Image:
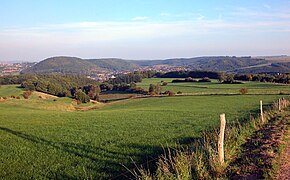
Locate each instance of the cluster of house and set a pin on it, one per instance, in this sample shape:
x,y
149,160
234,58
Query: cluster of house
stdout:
x,y
13,68
165,68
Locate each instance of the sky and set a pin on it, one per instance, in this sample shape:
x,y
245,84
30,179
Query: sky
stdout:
x,y
33,30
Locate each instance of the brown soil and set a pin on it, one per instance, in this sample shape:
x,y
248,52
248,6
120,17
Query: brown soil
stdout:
x,y
258,153
284,171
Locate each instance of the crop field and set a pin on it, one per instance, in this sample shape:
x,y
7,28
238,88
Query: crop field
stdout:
x,y
41,139
215,87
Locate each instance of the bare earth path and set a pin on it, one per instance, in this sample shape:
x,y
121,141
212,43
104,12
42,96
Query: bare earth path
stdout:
x,y
284,172
258,154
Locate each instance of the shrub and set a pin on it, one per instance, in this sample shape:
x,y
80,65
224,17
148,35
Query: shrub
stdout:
x,y
205,79
164,83
179,92
152,93
17,97
171,93
12,96
244,90
27,94
81,96
156,89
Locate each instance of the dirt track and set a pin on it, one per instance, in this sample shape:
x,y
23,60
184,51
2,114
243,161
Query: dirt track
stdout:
x,y
284,172
259,152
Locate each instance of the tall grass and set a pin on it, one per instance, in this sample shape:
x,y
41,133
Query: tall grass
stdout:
x,y
200,159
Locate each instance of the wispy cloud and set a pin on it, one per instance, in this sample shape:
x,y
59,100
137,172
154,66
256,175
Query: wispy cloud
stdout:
x,y
139,18
179,15
83,32
200,17
267,6
141,30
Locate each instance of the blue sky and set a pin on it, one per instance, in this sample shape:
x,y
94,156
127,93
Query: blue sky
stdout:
x,y
33,30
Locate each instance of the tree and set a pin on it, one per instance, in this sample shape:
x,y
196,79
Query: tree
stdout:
x,y
152,88
229,78
93,91
81,96
205,79
106,86
155,89
221,77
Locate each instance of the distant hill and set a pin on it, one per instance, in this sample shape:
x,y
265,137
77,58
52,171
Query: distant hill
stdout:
x,y
281,67
114,64
60,65
75,65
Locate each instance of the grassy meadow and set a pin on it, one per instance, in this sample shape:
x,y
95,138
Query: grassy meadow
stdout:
x,y
9,90
49,139
215,87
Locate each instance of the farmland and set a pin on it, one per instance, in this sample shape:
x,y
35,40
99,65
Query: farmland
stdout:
x,y
46,138
215,87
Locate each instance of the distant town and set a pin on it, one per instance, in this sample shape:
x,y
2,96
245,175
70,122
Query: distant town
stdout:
x,y
96,74
14,68
104,75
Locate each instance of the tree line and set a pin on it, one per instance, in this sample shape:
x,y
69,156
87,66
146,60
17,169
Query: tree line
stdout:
x,y
78,87
228,77
84,89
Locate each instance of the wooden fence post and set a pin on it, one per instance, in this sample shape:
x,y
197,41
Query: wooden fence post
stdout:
x,y
261,110
221,139
279,104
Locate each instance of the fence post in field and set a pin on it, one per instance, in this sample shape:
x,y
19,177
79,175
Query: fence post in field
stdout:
x,y
221,139
261,110
279,104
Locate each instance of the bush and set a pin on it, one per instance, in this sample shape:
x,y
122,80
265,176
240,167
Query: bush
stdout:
x,y
17,97
81,96
205,79
12,96
164,83
179,92
244,90
171,93
27,94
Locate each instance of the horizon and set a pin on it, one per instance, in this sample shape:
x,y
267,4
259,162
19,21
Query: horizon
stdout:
x,y
32,31
259,56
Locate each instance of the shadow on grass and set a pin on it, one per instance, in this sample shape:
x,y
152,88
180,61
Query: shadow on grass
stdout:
x,y
107,162
20,87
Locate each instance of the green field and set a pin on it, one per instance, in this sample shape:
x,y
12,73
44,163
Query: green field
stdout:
x,y
9,90
215,87
43,143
